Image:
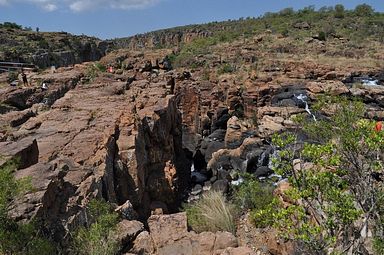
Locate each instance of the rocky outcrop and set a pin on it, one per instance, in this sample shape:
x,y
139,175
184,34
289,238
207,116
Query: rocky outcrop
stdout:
x,y
23,153
127,231
58,85
102,139
168,235
160,38
45,49
156,169
85,50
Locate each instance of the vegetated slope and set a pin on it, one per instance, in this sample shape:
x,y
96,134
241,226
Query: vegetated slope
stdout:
x,y
47,48
357,24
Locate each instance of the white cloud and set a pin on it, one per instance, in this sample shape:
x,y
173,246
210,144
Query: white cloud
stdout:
x,y
50,7
47,5
84,5
132,4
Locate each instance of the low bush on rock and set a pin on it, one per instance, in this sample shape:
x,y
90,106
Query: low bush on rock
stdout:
x,y
252,194
94,70
212,212
12,76
258,197
226,68
97,238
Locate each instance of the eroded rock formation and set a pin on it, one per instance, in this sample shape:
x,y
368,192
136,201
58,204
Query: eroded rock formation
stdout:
x,y
131,135
100,139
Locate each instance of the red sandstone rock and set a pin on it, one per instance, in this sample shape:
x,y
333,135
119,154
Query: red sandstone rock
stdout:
x,y
25,152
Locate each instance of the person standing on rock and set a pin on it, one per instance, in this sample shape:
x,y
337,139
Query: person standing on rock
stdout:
x,y
24,77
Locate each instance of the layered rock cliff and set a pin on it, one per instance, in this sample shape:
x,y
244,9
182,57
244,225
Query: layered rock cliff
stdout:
x,y
105,139
161,38
45,49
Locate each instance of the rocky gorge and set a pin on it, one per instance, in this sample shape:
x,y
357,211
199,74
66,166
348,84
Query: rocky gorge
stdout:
x,y
147,137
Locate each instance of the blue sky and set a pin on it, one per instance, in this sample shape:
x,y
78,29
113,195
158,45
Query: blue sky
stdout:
x,y
119,18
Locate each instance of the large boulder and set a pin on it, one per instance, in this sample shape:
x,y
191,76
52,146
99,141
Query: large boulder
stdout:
x,y
234,135
166,229
127,231
143,244
169,236
235,159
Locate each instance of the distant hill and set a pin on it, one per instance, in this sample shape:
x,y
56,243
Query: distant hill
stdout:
x,y
47,48
357,24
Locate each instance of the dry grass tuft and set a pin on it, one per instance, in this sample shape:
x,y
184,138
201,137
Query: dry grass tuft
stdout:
x,y
212,213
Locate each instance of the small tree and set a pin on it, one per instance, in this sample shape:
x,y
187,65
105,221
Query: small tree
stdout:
x,y
287,12
363,10
10,25
339,11
336,197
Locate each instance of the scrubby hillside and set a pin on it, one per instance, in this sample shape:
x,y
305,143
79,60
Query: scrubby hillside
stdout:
x,y
47,48
327,22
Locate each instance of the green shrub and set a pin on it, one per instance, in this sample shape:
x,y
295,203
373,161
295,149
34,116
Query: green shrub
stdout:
x,y
43,44
265,216
378,240
339,11
171,58
238,111
212,212
287,12
97,239
184,59
257,197
226,68
322,36
94,70
363,10
18,238
12,76
253,195
285,32
10,25
100,67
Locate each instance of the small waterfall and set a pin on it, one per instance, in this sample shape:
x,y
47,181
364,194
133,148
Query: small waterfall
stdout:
x,y
275,154
261,158
370,82
237,182
303,98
